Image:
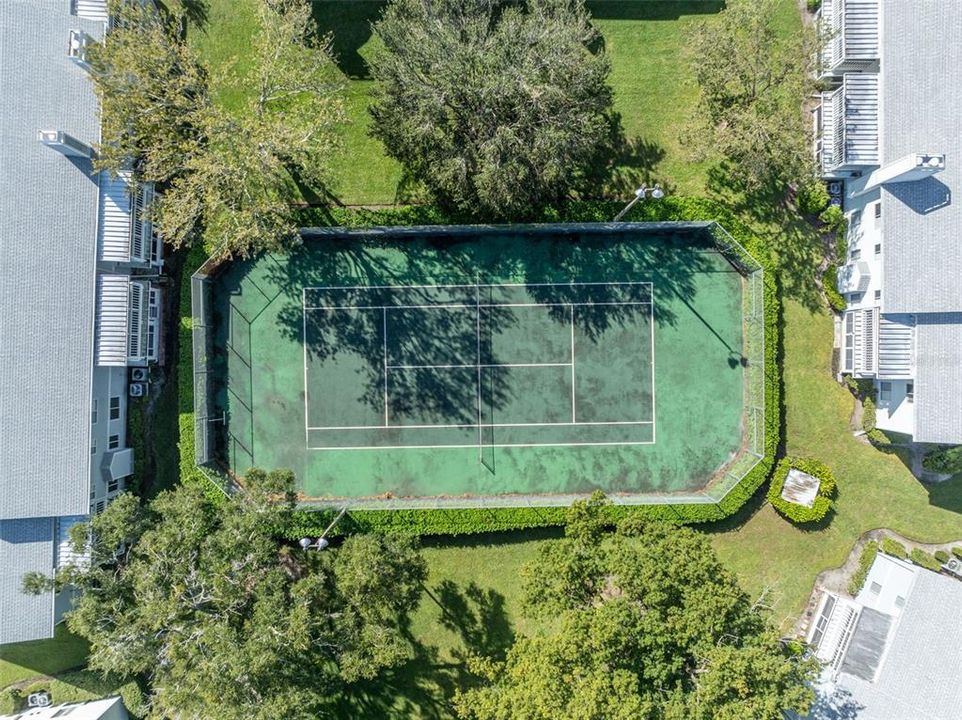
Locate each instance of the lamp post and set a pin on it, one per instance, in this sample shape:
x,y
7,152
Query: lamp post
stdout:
x,y
322,542
640,194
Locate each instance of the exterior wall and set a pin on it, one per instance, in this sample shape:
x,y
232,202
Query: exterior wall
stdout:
x,y
108,382
895,410
865,233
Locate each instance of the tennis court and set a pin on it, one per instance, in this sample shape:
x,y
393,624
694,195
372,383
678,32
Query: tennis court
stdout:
x,y
458,366
477,365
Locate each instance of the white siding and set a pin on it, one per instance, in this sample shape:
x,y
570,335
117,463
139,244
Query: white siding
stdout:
x,y
861,30
861,119
90,9
895,349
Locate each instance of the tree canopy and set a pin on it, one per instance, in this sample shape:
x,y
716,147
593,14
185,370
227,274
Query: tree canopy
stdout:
x,y
498,108
218,618
234,175
643,623
753,83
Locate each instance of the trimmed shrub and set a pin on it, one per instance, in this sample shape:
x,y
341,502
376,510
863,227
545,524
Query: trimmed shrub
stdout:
x,y
830,284
823,501
869,553
945,460
957,551
832,217
868,414
924,559
942,556
812,198
893,547
813,5
480,520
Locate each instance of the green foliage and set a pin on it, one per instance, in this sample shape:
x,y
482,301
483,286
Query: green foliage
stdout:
x,y
812,197
823,504
869,553
893,547
627,636
942,556
832,217
947,460
497,108
957,551
868,414
830,284
924,559
753,83
233,176
813,5
878,438
217,617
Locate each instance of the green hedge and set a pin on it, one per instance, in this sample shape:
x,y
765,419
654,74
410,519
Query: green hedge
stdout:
x,y
830,284
894,548
924,559
957,551
823,501
869,553
945,460
942,556
479,520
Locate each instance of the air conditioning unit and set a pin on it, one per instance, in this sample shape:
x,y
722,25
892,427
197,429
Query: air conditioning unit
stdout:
x,y
139,375
954,566
137,389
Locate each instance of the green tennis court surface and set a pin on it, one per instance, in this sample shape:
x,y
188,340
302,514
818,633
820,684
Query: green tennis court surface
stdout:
x,y
508,362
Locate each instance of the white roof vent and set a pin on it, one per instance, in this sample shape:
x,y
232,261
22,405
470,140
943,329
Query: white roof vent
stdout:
x,y
64,143
77,43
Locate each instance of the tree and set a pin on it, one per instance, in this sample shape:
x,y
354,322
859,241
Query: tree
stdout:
x,y
232,175
644,623
753,84
217,617
498,108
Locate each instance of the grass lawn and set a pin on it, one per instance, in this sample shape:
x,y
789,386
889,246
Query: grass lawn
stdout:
x,y
22,661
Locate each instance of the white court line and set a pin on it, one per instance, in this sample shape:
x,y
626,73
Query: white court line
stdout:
x,y
496,445
651,327
573,405
477,285
472,365
307,431
471,306
466,426
385,368
477,291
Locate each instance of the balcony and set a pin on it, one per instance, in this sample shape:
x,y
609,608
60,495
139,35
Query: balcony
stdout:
x,y
851,29
849,117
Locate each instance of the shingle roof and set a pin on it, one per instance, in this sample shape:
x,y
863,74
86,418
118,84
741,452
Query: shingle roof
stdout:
x,y
918,677
48,220
25,546
938,395
921,107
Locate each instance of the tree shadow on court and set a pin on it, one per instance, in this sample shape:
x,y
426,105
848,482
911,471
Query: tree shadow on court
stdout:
x,y
608,280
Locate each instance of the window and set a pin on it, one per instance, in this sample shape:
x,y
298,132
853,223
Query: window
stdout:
x,y
849,343
113,442
93,412
885,391
878,210
93,447
878,248
115,408
910,391
112,485
875,588
899,601
878,294
855,253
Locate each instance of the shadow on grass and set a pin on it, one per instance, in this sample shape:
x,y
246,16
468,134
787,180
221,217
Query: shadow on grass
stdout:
x,y
426,682
946,495
652,9
348,22
798,248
